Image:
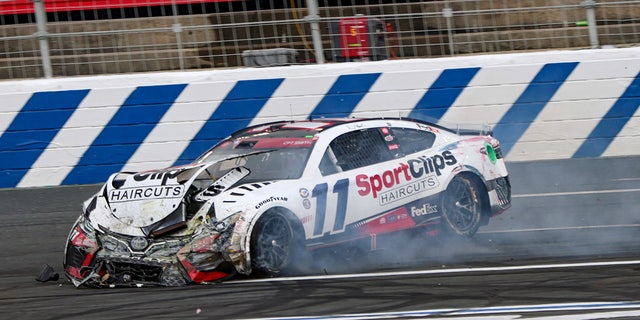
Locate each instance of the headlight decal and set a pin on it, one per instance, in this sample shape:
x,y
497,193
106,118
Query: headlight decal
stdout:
x,y
80,251
79,238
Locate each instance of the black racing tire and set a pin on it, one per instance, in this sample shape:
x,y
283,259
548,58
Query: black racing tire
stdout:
x,y
462,207
273,244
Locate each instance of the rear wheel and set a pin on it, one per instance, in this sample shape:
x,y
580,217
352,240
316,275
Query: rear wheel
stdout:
x,y
273,244
462,206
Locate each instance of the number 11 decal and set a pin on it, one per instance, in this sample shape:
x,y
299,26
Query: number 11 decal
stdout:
x,y
320,192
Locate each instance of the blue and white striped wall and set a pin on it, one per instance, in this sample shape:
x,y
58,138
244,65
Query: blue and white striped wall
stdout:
x,y
553,105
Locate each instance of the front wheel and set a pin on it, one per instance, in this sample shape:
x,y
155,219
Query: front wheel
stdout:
x,y
272,244
462,206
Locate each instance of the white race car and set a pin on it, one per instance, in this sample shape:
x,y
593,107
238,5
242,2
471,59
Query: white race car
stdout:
x,y
273,191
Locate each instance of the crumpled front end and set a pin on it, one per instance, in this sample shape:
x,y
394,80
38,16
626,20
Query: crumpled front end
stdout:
x,y
102,258
173,248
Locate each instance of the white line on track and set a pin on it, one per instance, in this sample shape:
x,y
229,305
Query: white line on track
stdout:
x,y
443,271
573,193
606,226
626,179
504,312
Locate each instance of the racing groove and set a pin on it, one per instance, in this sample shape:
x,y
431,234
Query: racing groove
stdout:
x,y
569,245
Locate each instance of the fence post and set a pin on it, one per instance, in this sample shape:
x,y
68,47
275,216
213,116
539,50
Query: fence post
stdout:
x,y
314,19
447,13
177,29
43,36
590,5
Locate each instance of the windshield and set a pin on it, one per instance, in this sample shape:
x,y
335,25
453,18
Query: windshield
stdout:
x,y
268,158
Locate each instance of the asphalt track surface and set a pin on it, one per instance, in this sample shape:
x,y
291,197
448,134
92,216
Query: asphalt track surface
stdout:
x,y
569,248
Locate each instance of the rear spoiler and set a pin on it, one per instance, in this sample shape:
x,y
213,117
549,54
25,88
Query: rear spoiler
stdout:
x,y
463,129
485,131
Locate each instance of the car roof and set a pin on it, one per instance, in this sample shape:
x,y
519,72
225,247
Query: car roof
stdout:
x,y
302,128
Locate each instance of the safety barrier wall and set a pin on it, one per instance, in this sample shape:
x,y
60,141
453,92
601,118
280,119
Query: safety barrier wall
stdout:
x,y
551,105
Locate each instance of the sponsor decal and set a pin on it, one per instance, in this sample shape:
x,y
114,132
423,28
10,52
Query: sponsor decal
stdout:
x,y
304,192
297,143
426,209
428,128
356,125
157,175
306,219
396,219
424,165
269,200
424,169
146,193
306,203
375,183
265,143
407,190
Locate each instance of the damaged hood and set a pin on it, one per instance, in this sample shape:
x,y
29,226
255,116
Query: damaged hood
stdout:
x,y
144,198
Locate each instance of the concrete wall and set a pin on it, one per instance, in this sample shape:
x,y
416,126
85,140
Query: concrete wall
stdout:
x,y
553,105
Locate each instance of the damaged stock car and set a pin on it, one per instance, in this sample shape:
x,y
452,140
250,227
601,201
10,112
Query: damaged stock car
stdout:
x,y
270,192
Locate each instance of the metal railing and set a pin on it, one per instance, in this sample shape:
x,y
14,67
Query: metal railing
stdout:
x,y
205,35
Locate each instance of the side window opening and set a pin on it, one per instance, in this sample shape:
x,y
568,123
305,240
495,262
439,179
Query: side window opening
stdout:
x,y
413,140
355,149
329,163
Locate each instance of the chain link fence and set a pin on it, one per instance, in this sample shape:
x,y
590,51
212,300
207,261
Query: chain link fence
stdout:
x,y
50,38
